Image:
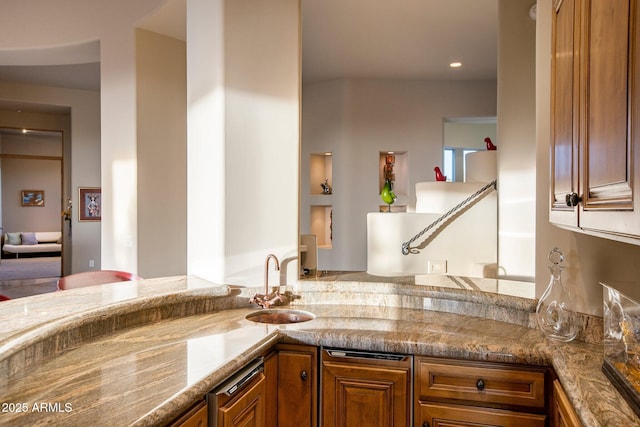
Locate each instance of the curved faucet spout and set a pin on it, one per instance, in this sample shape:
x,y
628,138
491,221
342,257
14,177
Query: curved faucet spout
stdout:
x,y
266,271
269,298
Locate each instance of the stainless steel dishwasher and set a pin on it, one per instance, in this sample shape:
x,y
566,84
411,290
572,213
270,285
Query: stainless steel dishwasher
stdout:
x,y
365,388
242,395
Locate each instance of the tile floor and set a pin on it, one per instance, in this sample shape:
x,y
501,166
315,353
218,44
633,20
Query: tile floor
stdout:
x,y
27,287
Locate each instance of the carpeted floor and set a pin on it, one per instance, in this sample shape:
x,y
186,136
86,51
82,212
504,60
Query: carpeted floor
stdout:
x,y
30,268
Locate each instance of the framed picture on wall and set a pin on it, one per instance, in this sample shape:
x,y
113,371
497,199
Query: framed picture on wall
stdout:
x,y
90,204
32,197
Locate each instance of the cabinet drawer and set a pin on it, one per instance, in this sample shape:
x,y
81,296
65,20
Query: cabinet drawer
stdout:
x,y
486,383
445,415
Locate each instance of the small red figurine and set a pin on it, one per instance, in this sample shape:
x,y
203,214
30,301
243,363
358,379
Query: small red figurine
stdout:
x,y
439,175
490,145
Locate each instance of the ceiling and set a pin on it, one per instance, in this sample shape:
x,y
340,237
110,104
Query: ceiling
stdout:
x,y
399,39
405,39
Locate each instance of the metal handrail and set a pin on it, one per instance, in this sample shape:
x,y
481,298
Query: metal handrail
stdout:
x,y
455,209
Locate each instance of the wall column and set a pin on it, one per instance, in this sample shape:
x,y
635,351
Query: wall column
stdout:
x,y
243,100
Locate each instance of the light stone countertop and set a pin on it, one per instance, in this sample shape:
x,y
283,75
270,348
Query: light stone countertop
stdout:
x,y
142,354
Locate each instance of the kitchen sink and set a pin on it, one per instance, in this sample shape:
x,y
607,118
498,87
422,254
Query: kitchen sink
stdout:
x,y
280,316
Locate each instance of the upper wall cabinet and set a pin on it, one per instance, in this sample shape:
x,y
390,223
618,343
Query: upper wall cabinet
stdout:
x,y
564,112
595,117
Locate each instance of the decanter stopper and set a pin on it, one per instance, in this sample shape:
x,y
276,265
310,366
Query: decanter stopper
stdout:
x,y
554,313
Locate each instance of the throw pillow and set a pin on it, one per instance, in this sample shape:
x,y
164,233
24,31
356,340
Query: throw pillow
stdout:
x,y
29,239
13,239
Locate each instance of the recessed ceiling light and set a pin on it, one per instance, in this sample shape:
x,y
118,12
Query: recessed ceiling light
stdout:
x,y
456,64
24,131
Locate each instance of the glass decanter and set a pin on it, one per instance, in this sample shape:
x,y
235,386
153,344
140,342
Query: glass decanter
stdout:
x,y
554,312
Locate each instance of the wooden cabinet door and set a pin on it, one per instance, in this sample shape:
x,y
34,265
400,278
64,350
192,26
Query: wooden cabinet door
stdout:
x,y
297,384
608,52
563,413
359,394
444,415
564,111
248,410
271,377
195,417
595,120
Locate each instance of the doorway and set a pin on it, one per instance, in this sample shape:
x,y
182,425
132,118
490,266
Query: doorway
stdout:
x,y
31,205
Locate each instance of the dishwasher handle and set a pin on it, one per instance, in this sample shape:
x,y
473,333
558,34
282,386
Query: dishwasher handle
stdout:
x,y
354,354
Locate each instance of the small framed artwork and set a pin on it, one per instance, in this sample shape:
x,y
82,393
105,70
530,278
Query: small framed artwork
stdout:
x,y
90,204
32,197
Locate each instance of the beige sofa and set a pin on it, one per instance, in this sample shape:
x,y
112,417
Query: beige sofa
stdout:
x,y
32,242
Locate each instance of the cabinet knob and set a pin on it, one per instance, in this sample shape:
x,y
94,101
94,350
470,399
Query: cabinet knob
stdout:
x,y
572,199
425,424
480,384
304,375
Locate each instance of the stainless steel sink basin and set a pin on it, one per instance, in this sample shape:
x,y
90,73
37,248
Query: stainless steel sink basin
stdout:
x,y
280,316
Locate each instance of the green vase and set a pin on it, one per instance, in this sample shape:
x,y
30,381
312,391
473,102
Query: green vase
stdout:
x,y
387,194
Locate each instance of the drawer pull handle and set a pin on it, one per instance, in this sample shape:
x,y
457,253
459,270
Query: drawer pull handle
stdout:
x,y
480,385
304,375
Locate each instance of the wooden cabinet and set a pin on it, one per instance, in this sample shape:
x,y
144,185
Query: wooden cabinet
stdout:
x,y
563,413
246,410
358,390
462,393
195,417
297,385
241,400
271,377
595,147
564,111
445,415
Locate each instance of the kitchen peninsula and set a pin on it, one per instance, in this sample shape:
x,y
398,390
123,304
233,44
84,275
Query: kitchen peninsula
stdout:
x,y
142,353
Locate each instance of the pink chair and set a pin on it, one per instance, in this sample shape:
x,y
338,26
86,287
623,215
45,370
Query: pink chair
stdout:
x,y
90,278
4,298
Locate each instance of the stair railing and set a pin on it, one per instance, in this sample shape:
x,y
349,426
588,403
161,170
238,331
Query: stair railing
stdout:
x,y
490,186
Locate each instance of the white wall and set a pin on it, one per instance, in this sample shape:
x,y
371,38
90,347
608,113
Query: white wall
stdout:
x,y
31,174
20,174
516,140
469,134
162,155
243,73
355,120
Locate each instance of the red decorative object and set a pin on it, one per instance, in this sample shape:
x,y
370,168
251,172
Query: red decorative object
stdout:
x,y
490,145
94,277
439,175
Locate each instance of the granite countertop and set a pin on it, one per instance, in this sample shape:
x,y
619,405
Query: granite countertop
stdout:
x,y
144,353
